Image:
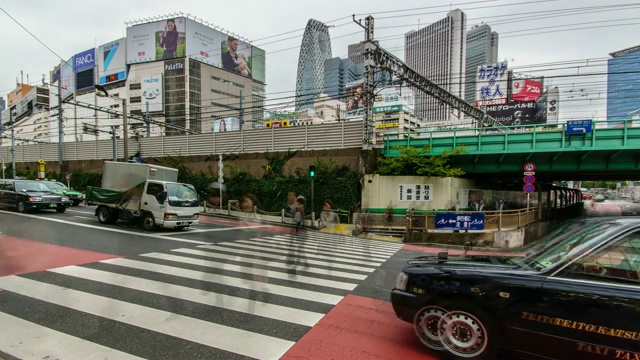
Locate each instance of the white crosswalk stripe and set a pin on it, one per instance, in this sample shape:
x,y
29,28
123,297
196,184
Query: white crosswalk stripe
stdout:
x,y
250,298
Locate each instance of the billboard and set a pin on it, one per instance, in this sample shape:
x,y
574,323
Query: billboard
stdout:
x,y
553,104
67,79
226,124
492,84
111,58
514,113
18,93
526,89
355,99
394,98
55,74
180,37
84,60
157,40
541,109
236,56
152,92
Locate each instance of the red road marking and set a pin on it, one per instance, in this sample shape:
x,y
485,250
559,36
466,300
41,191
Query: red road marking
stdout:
x,y
275,228
21,256
360,328
457,252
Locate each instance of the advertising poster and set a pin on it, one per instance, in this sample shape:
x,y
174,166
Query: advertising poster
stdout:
x,y
258,64
541,109
526,89
514,113
393,99
67,79
203,43
111,58
491,84
226,124
152,92
236,56
158,40
84,64
355,99
553,105
55,74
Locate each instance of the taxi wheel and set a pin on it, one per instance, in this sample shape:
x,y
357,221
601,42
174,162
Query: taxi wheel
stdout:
x,y
425,325
61,209
469,332
22,208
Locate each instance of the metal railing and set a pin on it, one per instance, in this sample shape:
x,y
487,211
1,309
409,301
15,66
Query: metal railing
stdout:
x,y
339,135
425,220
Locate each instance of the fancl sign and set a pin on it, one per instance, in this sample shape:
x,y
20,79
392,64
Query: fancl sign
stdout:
x,y
84,60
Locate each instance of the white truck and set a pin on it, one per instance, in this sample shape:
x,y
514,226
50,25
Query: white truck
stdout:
x,y
144,193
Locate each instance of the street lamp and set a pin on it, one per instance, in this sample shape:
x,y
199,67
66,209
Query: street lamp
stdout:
x,y
101,91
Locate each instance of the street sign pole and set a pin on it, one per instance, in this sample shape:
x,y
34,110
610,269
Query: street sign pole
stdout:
x,y
220,178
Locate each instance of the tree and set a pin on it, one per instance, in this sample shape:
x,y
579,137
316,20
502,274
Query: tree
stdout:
x,y
414,161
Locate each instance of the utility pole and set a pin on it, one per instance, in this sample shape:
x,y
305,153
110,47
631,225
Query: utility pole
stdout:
x,y
60,124
115,142
241,111
368,85
148,122
13,144
125,134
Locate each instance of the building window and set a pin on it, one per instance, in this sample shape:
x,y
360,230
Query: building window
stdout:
x,y
135,86
135,100
227,82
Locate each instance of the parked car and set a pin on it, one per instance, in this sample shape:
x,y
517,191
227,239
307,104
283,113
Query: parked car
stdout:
x,y
26,195
575,299
630,209
62,189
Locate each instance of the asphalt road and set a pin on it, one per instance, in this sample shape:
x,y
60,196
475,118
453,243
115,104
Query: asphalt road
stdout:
x,y
73,288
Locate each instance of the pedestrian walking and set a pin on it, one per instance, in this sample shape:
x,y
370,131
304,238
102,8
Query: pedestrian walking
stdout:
x,y
298,215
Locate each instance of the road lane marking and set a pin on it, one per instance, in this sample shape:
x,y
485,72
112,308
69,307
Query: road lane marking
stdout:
x,y
156,236
43,343
180,326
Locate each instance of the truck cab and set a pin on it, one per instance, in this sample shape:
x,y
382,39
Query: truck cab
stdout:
x,y
169,204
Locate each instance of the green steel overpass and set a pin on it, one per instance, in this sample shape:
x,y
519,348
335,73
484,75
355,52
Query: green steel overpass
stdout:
x,y
606,153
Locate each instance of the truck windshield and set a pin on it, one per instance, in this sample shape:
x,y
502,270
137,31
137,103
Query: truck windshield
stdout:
x,y
182,195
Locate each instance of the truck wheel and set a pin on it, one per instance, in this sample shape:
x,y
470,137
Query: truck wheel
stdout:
x,y
104,215
22,208
468,332
148,222
61,209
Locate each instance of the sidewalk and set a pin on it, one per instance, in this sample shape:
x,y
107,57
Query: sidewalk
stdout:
x,y
342,229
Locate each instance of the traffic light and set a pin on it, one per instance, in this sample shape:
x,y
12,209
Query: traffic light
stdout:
x,y
312,171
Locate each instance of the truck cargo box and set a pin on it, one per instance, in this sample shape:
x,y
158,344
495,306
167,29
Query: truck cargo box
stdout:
x,y
124,176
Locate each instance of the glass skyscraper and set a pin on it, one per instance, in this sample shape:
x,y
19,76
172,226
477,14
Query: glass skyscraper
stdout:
x,y
337,74
482,48
623,84
315,49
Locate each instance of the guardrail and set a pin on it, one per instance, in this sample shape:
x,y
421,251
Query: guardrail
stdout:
x,y
425,220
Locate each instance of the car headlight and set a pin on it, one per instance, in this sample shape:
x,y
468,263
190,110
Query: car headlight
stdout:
x,y
65,199
35,199
401,281
171,217
196,216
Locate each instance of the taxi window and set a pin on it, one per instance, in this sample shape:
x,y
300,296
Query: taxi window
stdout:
x,y
619,262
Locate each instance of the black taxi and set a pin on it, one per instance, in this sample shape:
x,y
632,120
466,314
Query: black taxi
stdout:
x,y
26,195
578,297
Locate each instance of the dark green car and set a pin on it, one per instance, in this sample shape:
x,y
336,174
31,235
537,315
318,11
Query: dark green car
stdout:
x,y
61,189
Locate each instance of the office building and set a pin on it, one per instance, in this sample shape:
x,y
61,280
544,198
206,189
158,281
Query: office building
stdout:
x,y
438,52
623,84
314,51
482,48
337,73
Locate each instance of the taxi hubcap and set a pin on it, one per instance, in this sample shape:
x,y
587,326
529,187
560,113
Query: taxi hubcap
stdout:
x,y
426,326
462,334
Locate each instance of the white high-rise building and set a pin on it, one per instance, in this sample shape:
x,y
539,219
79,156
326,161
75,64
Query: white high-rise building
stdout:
x,y
482,48
438,52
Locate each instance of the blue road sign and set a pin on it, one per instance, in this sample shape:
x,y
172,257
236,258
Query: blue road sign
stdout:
x,y
579,127
460,221
529,179
529,188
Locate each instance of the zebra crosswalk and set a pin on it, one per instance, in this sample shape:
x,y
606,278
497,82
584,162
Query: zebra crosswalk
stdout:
x,y
246,299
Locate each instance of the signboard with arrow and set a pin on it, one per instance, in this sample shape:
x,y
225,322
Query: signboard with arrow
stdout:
x,y
459,221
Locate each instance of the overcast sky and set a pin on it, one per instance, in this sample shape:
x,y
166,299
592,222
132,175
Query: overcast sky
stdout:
x,y
70,26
